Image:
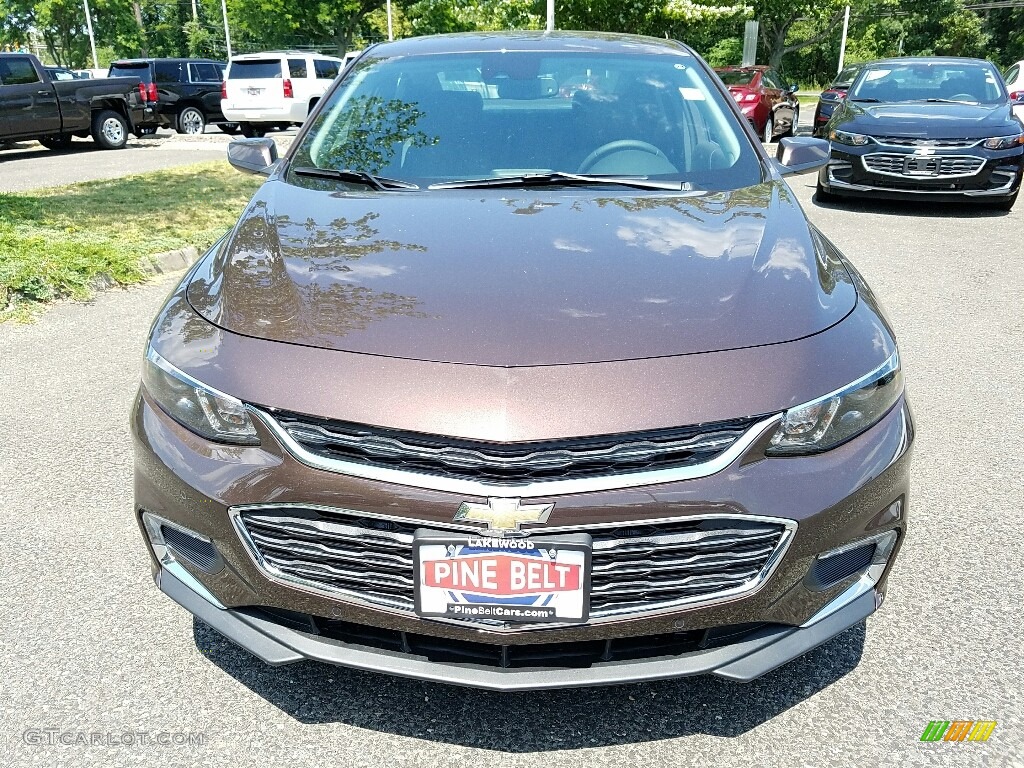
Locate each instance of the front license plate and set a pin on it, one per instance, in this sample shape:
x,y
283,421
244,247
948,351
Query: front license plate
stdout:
x,y
515,579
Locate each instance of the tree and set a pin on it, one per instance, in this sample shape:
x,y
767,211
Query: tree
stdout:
x,y
291,23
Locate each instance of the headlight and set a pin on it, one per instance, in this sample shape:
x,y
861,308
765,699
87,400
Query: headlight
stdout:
x,y
824,423
194,405
844,137
1004,142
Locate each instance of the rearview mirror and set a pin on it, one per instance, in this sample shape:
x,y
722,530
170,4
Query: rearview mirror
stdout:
x,y
801,154
253,155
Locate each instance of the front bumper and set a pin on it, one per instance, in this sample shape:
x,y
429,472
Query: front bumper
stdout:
x,y
836,498
754,655
847,173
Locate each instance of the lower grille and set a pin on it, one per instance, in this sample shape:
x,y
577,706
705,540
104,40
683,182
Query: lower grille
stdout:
x,y
636,568
923,166
563,655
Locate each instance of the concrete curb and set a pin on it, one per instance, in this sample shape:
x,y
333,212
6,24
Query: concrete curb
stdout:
x,y
156,264
172,261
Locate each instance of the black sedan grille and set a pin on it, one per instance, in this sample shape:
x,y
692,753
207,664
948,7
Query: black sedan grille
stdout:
x,y
923,166
636,568
512,463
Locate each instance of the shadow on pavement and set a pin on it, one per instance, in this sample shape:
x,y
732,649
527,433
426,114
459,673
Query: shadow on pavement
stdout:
x,y
540,721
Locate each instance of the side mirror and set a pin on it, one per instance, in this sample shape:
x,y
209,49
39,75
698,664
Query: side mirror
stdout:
x,y
801,154
253,155
793,88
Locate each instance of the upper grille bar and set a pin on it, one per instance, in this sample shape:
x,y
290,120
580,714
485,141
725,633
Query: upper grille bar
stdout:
x,y
523,470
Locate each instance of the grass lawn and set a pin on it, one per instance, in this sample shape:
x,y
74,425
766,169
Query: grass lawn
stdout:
x,y
54,242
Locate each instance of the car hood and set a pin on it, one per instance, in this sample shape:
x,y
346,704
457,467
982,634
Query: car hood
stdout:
x,y
929,120
522,277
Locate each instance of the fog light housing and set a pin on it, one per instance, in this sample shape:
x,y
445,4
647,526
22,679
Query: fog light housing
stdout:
x,y
174,544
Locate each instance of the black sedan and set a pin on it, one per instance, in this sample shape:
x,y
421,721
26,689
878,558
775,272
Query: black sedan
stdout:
x,y
925,127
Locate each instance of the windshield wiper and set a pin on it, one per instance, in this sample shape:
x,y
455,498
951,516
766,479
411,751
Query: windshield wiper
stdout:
x,y
359,177
952,101
868,100
561,179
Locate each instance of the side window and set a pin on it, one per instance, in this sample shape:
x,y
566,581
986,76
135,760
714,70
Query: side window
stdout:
x,y
297,68
168,72
768,77
203,72
326,69
17,72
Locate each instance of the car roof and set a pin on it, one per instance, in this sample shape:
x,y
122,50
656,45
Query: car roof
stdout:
x,y
927,60
537,41
270,54
165,58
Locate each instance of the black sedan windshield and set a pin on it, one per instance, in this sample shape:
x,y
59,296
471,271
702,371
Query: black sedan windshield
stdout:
x,y
433,119
967,82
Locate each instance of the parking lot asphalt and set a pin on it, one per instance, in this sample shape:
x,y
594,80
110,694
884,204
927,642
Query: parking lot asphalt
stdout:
x,y
28,165
91,647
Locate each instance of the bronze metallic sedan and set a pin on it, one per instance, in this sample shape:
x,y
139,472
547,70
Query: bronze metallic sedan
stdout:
x,y
524,369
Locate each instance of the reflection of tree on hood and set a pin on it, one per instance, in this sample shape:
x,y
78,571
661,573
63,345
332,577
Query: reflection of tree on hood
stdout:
x,y
277,275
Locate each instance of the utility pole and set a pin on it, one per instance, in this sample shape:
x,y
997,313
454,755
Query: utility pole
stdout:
x,y
227,32
92,38
391,29
551,16
842,47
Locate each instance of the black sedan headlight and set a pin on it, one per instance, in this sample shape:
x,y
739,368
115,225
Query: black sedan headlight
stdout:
x,y
828,421
1004,142
845,137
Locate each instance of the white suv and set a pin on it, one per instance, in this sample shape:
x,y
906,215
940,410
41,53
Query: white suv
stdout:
x,y
277,88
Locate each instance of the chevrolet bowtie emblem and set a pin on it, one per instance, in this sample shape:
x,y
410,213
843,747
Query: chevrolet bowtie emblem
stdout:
x,y
504,514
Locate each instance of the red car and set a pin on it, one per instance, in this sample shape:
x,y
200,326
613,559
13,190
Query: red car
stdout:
x,y
771,108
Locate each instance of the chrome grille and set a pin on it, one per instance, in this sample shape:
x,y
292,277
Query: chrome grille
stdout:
x,y
511,463
904,141
923,166
636,568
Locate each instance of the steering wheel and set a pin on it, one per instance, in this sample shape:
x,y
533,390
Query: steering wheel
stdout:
x,y
618,146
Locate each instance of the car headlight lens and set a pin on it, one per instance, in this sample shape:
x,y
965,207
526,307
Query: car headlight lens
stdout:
x,y
195,406
822,424
845,137
1004,142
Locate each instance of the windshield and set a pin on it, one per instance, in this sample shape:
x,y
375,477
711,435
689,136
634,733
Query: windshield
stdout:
x,y
736,76
440,118
922,81
846,77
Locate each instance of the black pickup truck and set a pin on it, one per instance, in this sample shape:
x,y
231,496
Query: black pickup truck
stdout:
x,y
32,106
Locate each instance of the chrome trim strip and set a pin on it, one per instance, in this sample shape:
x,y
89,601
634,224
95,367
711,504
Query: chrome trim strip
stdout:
x,y
512,490
884,546
745,590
